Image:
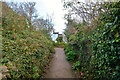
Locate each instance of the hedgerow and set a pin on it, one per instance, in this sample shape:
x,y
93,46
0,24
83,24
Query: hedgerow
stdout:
x,y
106,45
99,47
25,53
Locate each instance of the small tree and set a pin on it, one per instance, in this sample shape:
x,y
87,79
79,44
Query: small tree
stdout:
x,y
26,9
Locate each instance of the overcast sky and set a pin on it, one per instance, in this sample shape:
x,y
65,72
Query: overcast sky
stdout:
x,y
53,8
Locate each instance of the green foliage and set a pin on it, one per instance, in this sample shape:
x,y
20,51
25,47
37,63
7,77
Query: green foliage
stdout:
x,y
59,44
67,50
59,39
106,46
24,53
56,44
76,65
98,47
65,46
71,56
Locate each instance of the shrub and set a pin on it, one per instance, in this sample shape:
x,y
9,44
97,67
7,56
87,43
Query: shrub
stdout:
x,y
59,39
76,65
71,56
106,45
24,53
66,46
56,44
67,50
98,46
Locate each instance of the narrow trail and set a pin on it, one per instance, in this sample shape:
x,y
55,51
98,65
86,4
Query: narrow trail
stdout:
x,y
59,66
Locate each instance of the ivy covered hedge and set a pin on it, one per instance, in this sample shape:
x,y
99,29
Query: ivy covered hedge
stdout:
x,y
106,44
99,47
24,53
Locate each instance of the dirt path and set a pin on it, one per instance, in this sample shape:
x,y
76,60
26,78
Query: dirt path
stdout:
x,y
59,66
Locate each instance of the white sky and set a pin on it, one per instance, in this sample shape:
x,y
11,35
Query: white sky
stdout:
x,y
53,8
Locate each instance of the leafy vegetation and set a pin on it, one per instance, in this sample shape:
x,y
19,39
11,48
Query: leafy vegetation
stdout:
x,y
67,50
60,42
93,40
96,41
76,65
25,52
59,39
71,56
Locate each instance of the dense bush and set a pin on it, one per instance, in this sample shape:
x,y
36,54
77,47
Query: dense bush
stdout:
x,y
71,56
106,46
59,44
24,53
76,65
67,50
98,47
59,39
56,44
